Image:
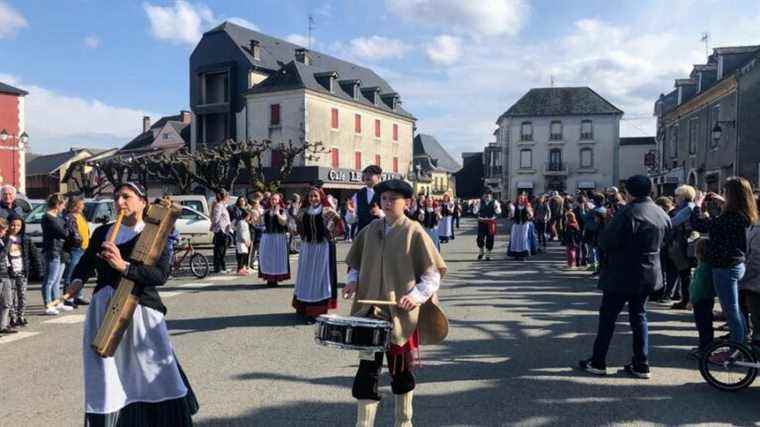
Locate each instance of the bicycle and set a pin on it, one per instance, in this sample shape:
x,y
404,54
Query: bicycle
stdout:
x,y
198,262
729,366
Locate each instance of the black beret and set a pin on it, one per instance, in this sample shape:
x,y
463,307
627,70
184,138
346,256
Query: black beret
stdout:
x,y
397,185
373,169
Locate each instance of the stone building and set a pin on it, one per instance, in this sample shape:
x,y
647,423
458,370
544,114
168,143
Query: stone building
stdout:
x,y
637,156
13,137
708,126
563,139
433,167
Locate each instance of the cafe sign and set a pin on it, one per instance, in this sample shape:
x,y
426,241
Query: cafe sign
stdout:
x,y
350,175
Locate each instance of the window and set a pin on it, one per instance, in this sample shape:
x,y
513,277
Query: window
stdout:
x,y
555,160
395,132
274,115
693,135
216,88
587,129
357,123
377,128
674,141
190,215
377,159
214,129
556,131
587,158
526,131
358,160
526,159
715,113
166,135
395,165
335,158
334,119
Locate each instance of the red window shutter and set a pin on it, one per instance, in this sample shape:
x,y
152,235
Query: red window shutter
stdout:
x,y
395,132
335,118
276,158
358,160
335,158
357,123
377,159
377,128
395,165
274,116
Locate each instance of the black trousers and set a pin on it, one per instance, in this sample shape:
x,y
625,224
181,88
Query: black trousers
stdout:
x,y
541,231
367,379
221,241
484,237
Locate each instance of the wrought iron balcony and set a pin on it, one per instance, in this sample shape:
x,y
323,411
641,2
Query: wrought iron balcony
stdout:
x,y
555,168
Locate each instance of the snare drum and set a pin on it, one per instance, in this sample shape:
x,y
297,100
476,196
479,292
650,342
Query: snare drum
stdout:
x,y
353,333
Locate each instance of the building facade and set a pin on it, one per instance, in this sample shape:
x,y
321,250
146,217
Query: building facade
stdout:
x,y
433,167
469,179
637,156
45,175
559,139
13,137
707,126
247,85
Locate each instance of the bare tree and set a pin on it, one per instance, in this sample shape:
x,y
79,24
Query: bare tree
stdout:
x,y
175,167
218,167
88,184
253,152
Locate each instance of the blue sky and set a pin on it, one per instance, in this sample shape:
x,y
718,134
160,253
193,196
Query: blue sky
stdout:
x,y
93,68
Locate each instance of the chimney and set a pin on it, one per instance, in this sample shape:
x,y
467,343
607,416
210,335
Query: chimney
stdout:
x,y
302,56
146,123
185,117
255,47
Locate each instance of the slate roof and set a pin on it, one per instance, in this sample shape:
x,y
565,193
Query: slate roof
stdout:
x,y
145,139
5,88
427,144
736,49
638,140
560,101
49,163
278,57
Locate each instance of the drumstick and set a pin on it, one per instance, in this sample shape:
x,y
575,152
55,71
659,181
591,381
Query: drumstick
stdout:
x,y
376,302
74,289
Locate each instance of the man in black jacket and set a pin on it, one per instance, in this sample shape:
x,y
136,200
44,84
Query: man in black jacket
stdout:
x,y
632,244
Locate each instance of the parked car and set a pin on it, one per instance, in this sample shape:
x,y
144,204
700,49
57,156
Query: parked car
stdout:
x,y
194,225
96,212
196,202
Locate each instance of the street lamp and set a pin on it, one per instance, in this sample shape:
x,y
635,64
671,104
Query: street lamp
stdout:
x,y
717,130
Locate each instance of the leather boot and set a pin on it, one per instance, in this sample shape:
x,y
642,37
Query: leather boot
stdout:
x,y
365,412
404,409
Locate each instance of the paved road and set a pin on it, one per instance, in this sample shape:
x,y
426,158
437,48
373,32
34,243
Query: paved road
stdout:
x,y
516,331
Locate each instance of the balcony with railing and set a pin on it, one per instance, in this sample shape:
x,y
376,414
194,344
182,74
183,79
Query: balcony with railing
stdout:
x,y
555,168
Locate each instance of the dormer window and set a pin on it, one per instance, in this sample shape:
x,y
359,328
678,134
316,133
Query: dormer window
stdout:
x,y
351,87
327,80
372,94
391,100
255,48
302,56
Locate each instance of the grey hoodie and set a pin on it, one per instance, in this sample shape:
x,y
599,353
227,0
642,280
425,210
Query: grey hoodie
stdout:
x,y
751,279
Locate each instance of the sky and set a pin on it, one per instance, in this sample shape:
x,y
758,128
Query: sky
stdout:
x,y
94,68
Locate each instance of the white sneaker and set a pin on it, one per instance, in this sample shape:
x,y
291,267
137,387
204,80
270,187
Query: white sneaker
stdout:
x,y
50,311
64,307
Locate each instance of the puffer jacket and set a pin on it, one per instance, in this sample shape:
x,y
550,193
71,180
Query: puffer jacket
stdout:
x,y
54,234
751,279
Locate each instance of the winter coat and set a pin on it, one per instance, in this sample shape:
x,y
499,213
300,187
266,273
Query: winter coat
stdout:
x,y
751,279
54,234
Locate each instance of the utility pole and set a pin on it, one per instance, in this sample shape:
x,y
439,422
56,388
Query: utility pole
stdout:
x,y
706,40
310,27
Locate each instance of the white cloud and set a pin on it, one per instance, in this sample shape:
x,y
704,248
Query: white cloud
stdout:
x,y
92,41
181,23
476,18
11,21
56,122
376,48
299,39
444,50
244,23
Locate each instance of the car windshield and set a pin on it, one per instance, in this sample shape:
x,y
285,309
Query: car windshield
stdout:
x,y
35,216
193,204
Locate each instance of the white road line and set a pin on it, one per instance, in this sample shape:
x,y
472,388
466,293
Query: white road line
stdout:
x,y
5,339
222,278
171,294
195,285
72,318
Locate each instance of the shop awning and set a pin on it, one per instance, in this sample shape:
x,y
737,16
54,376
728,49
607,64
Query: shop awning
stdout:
x,y
525,184
586,184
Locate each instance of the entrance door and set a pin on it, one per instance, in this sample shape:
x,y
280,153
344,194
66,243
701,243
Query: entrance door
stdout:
x,y
555,160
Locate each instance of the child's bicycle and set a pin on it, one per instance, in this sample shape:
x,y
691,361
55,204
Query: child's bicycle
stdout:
x,y
198,262
729,366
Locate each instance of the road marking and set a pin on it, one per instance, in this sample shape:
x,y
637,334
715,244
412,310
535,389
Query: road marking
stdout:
x,y
5,339
222,278
195,285
72,318
170,294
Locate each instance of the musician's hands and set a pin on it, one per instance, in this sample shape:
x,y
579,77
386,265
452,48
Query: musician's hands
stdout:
x,y
349,290
110,253
407,303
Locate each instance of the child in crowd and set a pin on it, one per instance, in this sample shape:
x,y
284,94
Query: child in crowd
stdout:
x,y
23,262
571,238
242,242
5,283
702,298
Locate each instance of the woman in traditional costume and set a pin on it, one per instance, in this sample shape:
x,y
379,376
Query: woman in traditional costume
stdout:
x,y
446,226
520,239
142,384
429,215
274,264
316,289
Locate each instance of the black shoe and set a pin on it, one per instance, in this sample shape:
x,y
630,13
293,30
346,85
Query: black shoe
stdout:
x,y
272,284
480,257
81,301
588,366
71,304
8,330
22,322
641,371
311,320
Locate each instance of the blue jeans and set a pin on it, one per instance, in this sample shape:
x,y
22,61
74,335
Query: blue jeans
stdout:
x,y
51,285
74,257
726,282
612,305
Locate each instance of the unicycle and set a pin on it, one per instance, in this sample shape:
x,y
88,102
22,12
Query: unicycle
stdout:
x,y
729,366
